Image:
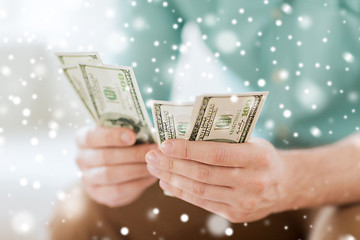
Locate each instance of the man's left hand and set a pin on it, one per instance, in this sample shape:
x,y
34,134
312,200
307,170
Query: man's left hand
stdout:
x,y
241,182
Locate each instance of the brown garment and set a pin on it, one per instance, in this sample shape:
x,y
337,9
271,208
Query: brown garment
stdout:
x,y
337,223
81,218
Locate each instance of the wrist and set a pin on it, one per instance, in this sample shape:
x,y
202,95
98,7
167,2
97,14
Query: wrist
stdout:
x,y
298,190
324,175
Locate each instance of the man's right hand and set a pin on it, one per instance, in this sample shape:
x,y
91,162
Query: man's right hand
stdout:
x,y
114,171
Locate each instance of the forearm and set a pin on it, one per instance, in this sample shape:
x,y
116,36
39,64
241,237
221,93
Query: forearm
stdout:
x,y
323,175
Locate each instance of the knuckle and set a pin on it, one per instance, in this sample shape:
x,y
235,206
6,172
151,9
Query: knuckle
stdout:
x,y
219,156
265,159
104,156
261,184
186,150
249,205
232,219
232,216
180,193
163,163
170,164
112,137
235,174
201,202
169,177
106,174
237,217
183,149
198,189
119,191
203,172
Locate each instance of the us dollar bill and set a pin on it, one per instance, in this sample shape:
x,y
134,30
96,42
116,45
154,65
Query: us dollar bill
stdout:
x,y
74,58
76,79
170,119
225,118
116,98
70,61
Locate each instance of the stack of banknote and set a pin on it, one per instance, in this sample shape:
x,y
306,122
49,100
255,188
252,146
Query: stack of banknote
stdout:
x,y
112,97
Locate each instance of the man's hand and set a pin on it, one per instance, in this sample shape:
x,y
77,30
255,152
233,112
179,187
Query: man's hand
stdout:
x,y
114,171
241,182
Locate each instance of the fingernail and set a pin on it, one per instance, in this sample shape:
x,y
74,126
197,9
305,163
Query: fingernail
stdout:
x,y
151,157
166,147
126,138
152,169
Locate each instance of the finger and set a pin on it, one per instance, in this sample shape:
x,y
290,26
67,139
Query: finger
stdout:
x,y
88,158
215,175
111,194
213,153
115,174
202,190
98,137
211,206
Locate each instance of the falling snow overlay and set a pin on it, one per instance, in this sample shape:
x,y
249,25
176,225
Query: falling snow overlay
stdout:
x,y
307,55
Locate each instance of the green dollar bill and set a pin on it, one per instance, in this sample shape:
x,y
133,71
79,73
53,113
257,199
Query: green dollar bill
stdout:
x,y
116,97
225,118
76,79
170,119
79,57
72,72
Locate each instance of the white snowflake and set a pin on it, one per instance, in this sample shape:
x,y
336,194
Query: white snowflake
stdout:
x,y
184,217
261,82
287,113
315,131
124,231
348,57
226,41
